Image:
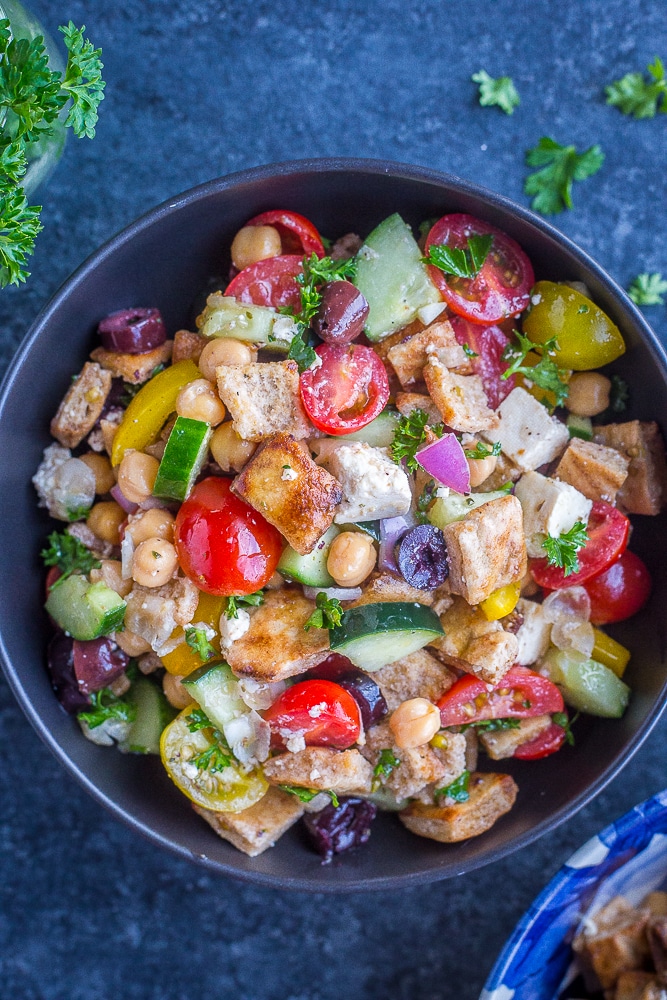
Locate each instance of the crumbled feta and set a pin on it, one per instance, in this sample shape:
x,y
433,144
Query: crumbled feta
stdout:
x,y
232,629
257,694
374,487
284,328
442,491
65,485
536,299
317,363
527,434
550,507
294,742
289,474
367,253
249,737
316,710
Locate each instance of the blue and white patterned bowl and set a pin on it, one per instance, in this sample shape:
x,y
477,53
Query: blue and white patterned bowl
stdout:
x,y
629,858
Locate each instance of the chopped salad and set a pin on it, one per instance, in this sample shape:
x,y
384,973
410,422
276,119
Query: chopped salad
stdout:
x,y
355,537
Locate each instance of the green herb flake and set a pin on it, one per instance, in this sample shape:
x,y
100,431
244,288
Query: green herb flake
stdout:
x,y
550,186
561,719
457,791
308,794
301,352
409,435
327,614
492,725
425,499
69,555
252,600
387,762
634,95
499,91
562,550
216,757
468,351
105,706
482,450
546,374
197,640
648,290
466,263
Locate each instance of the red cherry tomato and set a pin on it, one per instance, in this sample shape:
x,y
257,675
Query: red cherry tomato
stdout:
x,y
488,343
223,545
297,233
520,694
270,282
620,591
324,712
607,537
544,745
502,286
347,391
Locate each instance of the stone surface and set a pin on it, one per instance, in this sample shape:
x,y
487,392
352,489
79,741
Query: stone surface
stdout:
x,y
88,911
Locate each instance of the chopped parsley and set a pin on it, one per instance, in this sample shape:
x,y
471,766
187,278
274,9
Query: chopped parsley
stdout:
x,y
550,186
301,352
465,263
562,550
482,450
253,600
217,756
327,614
105,706
468,351
308,794
425,499
457,791
69,555
634,95
492,725
561,719
317,272
546,374
648,290
499,91
387,762
197,640
409,435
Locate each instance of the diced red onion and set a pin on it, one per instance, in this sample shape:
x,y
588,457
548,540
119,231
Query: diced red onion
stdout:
x,y
392,530
121,499
445,460
337,593
154,503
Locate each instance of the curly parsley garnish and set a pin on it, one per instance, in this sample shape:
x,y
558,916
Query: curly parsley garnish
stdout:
x,y
457,791
465,263
634,95
546,374
562,550
409,435
197,640
308,794
69,555
500,91
317,272
327,614
648,290
216,757
559,166
252,600
105,706
482,450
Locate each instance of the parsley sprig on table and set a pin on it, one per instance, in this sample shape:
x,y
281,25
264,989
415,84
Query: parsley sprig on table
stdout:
x,y
499,91
69,555
634,95
546,374
558,167
31,99
466,263
327,614
562,550
317,272
648,290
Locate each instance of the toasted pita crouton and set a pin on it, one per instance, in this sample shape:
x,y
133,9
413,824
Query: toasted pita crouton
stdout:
x,y
134,368
381,587
276,645
294,494
486,550
408,402
418,675
594,469
187,346
616,942
439,341
154,612
633,985
264,399
472,749
474,644
645,489
255,829
417,767
341,771
502,743
81,406
460,399
490,797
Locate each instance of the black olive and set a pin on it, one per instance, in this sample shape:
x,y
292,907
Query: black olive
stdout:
x,y
422,557
342,313
339,828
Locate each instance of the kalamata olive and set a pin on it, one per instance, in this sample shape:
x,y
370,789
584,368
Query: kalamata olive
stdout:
x,y
60,661
97,662
132,331
422,557
361,686
342,313
339,828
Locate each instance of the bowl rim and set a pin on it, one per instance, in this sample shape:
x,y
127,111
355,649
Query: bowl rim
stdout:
x,y
324,165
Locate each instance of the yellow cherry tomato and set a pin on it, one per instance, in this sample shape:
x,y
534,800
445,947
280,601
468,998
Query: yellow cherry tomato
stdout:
x,y
183,660
150,409
501,602
586,336
610,653
194,763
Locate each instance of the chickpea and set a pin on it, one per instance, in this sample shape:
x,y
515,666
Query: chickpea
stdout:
x,y
589,394
174,691
131,643
154,523
481,469
351,558
253,243
154,562
101,468
414,723
224,351
230,451
104,520
198,400
136,475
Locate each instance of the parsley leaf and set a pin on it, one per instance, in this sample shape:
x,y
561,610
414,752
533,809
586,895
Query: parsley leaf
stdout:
x,y
104,706
327,614
83,82
217,756
460,263
561,719
19,227
425,499
551,185
491,725
308,794
468,351
482,450
648,290
409,435
301,352
387,762
457,791
317,271
546,374
634,95
562,550
253,600
69,555
197,640
499,91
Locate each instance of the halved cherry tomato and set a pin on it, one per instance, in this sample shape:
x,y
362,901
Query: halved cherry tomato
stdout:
x,y
224,545
548,742
620,591
270,282
348,390
324,712
488,343
520,694
608,531
297,233
502,287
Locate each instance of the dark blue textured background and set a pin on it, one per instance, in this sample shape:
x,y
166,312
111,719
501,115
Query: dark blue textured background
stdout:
x,y
198,88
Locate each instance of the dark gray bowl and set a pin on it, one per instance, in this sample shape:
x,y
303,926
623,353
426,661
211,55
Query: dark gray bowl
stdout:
x,y
165,259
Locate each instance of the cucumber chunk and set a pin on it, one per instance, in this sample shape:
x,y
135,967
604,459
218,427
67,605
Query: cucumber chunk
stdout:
x,y
311,569
380,432
225,317
374,635
184,455
454,507
586,684
393,279
153,713
579,427
85,610
215,689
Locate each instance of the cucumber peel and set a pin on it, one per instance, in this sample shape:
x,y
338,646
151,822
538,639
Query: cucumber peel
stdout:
x,y
373,635
184,455
85,610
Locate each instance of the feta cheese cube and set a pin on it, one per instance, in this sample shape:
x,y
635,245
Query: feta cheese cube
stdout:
x,y
374,487
527,434
550,507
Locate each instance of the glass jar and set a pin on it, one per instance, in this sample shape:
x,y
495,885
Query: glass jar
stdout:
x,y
44,154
